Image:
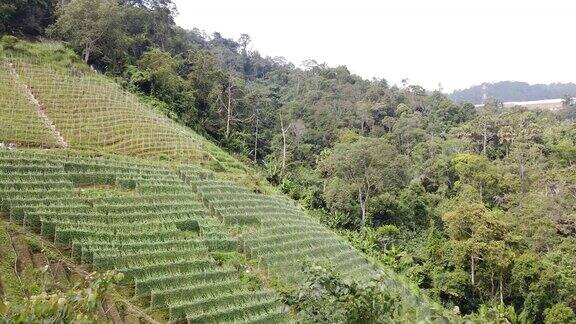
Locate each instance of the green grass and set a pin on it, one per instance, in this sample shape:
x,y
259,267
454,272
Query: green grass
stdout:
x,y
11,286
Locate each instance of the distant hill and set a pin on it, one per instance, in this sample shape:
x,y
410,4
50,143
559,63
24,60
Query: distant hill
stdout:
x,y
514,91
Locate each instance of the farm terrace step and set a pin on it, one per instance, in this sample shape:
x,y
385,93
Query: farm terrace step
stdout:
x,y
148,224
276,232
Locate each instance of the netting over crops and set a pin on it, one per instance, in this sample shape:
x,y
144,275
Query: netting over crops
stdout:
x,y
20,122
90,111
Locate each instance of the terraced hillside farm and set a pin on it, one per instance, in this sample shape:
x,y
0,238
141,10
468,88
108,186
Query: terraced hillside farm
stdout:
x,y
276,232
92,112
141,220
135,192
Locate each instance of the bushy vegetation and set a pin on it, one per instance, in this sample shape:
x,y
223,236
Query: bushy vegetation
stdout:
x,y
78,305
326,298
474,206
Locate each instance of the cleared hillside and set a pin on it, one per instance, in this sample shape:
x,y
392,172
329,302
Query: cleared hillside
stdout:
x,y
140,194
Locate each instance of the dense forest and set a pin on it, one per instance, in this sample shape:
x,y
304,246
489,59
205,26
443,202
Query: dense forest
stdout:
x,y
475,206
514,91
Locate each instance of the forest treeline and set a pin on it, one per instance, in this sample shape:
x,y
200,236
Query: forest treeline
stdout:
x,y
475,206
514,91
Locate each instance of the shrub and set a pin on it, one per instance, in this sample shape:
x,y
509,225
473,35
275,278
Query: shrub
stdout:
x,y
8,42
327,298
78,305
559,313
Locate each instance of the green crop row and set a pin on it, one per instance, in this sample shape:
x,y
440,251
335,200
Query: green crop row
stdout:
x,y
156,285
284,232
159,235
236,313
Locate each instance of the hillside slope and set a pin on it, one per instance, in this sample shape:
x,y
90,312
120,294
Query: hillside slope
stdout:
x,y
93,113
138,193
20,119
32,266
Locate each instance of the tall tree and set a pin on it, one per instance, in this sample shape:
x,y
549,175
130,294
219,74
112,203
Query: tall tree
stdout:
x,y
480,237
284,129
369,166
257,99
227,97
86,23
477,171
205,76
26,17
156,74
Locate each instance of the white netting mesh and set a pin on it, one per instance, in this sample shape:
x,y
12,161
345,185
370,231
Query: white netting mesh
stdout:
x,y
20,122
90,111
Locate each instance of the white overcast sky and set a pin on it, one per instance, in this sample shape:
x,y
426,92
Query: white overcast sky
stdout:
x,y
457,43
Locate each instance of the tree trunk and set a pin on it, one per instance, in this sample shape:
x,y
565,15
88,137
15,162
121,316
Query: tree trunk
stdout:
x,y
86,54
492,287
362,199
229,109
501,292
522,173
484,138
298,87
472,270
283,166
256,139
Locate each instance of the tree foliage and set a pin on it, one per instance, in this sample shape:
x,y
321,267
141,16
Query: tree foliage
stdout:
x,y
326,298
26,17
77,305
87,24
363,168
476,206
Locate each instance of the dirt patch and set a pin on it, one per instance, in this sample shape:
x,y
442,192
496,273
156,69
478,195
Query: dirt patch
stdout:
x,y
23,255
59,273
111,311
39,260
